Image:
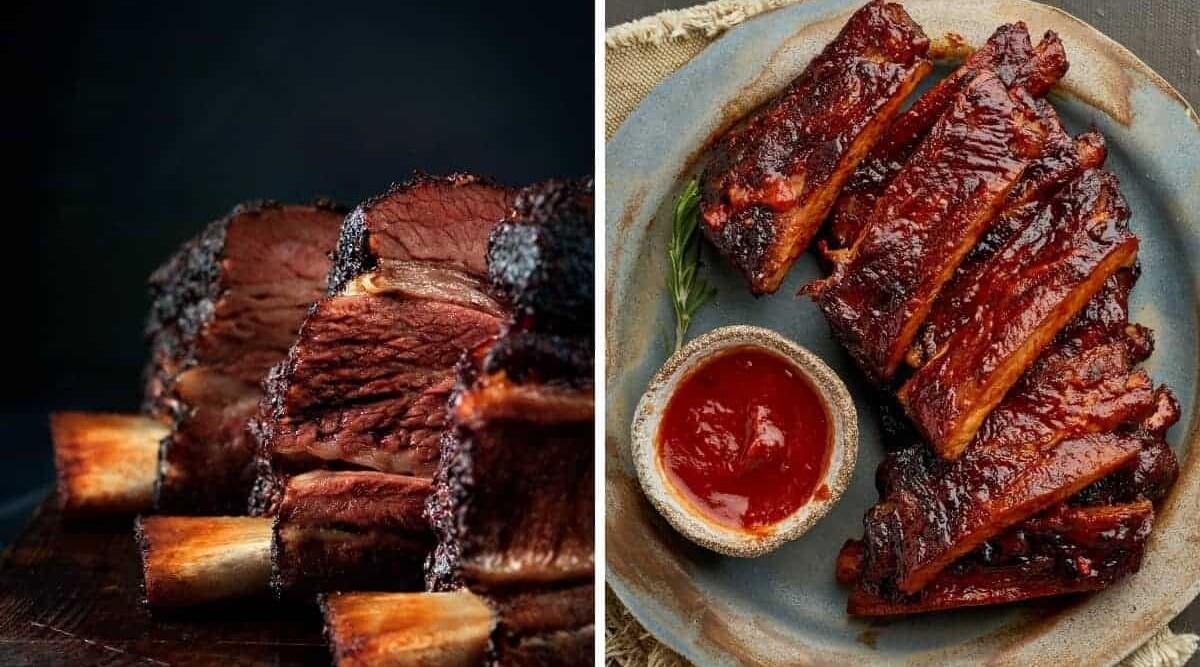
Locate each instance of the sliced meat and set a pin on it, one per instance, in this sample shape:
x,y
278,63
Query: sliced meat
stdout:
x,y
365,383
439,220
513,499
1051,437
771,181
935,210
1065,550
1008,53
350,530
226,307
997,320
514,503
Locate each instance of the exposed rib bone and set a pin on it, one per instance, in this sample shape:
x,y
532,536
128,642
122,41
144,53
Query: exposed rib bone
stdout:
x,y
105,463
407,629
193,560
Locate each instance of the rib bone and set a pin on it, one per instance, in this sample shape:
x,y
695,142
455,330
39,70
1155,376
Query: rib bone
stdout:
x,y
105,463
407,629
193,560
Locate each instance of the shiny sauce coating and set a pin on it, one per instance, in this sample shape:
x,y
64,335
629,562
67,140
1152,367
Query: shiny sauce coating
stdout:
x,y
745,438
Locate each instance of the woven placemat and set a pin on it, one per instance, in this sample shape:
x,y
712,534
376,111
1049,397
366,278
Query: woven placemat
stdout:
x,y
637,56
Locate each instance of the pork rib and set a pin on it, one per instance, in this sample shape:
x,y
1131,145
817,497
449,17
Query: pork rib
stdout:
x,y
1008,53
1063,160
771,181
935,210
1051,437
996,320
1065,550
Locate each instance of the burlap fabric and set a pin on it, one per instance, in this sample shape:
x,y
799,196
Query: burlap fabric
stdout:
x,y
638,55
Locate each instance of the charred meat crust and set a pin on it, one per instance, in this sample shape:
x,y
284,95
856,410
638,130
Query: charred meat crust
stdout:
x,y
365,237
512,502
529,357
541,258
185,291
513,506
226,307
771,181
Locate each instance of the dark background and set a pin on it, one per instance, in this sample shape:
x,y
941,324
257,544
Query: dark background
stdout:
x,y
1163,33
128,126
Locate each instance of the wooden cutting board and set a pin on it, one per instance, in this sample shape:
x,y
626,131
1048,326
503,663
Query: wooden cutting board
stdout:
x,y
70,594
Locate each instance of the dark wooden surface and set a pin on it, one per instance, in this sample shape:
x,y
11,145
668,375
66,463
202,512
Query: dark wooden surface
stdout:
x,y
1164,33
71,595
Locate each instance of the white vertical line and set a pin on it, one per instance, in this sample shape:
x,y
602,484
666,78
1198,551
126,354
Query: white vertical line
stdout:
x,y
601,259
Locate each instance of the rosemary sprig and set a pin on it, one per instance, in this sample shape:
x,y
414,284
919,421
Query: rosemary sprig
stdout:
x,y
688,291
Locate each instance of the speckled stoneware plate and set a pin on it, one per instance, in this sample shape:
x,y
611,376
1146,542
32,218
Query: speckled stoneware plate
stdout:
x,y
785,607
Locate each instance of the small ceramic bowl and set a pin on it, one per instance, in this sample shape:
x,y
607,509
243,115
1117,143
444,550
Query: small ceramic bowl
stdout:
x,y
676,508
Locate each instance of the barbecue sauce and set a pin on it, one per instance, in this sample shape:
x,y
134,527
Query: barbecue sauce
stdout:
x,y
745,438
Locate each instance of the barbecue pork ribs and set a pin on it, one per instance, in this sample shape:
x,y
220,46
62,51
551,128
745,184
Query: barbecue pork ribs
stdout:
x,y
771,181
927,221
1008,53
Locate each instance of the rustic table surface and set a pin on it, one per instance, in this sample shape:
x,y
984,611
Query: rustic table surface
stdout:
x,y
1164,33
70,594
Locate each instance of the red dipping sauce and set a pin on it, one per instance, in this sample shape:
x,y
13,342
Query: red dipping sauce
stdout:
x,y
746,438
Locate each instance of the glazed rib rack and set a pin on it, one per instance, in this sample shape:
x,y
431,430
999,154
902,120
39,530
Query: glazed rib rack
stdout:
x,y
991,301
980,263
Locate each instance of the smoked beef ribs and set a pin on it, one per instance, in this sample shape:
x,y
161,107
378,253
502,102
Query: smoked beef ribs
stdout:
x,y
513,502
365,383
513,505
226,307
350,530
772,180
349,429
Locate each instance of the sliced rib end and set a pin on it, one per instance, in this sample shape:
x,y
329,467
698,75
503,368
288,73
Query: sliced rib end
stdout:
x,y
105,463
407,629
194,560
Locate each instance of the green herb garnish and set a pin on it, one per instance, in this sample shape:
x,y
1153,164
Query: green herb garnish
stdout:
x,y
688,292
